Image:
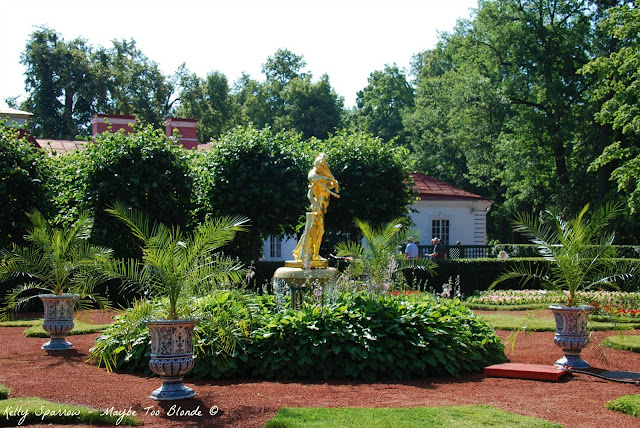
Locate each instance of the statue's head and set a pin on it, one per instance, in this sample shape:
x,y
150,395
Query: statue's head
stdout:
x,y
321,160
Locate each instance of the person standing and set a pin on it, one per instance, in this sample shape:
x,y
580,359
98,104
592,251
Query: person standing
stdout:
x,y
439,251
411,251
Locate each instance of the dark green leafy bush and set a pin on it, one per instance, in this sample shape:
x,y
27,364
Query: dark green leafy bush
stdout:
x,y
257,174
144,170
358,337
23,174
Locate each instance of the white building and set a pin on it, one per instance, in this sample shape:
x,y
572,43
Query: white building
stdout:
x,y
449,213
14,117
442,211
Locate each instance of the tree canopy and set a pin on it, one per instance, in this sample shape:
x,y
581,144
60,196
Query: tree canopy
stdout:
x,y
530,103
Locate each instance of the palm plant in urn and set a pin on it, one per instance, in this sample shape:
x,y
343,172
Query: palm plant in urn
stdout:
x,y
581,257
175,267
60,262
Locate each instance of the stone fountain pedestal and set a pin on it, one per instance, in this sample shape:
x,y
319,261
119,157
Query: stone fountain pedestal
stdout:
x,y
301,278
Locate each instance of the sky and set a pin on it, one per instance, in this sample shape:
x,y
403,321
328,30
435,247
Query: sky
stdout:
x,y
345,39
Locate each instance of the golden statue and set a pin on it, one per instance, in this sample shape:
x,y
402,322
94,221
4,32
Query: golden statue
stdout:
x,y
321,186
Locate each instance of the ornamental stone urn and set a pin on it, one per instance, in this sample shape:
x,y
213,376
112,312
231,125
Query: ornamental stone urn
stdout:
x,y
171,357
571,334
58,320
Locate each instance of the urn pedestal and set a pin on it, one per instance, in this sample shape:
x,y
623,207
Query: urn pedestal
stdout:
x,y
58,320
571,334
171,357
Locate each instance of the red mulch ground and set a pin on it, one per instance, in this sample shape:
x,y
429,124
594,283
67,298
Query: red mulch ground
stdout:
x,y
578,402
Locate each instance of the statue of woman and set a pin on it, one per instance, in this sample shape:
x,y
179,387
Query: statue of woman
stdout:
x,y
321,185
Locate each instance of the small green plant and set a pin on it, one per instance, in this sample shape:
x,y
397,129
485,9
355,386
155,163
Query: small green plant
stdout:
x,y
378,261
59,260
225,319
580,252
4,392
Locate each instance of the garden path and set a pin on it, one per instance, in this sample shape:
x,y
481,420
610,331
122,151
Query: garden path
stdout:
x,y
579,402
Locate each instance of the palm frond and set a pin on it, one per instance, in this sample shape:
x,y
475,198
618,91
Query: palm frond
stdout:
x,y
580,252
176,265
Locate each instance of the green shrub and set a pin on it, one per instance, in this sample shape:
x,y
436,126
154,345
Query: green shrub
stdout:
x,y
257,174
145,170
358,337
4,392
68,188
23,174
623,342
367,338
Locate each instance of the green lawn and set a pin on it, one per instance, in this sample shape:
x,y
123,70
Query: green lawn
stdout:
x,y
629,404
34,327
623,342
79,328
412,417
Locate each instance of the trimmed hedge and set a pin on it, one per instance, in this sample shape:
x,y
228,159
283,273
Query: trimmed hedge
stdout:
x,y
23,174
478,274
358,337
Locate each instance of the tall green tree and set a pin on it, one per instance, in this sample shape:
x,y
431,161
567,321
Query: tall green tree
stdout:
x,y
616,89
209,101
539,46
68,82
61,84
135,84
288,99
312,109
382,103
502,110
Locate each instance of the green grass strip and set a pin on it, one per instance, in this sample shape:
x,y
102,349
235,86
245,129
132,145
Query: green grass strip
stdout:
x,y
525,307
517,322
4,392
623,342
411,417
629,404
32,410
79,328
21,323
613,319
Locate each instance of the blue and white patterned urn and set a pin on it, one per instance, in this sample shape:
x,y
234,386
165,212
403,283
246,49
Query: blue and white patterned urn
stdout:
x,y
58,320
571,334
171,357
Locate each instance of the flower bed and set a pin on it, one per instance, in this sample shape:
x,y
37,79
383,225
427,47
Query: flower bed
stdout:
x,y
608,303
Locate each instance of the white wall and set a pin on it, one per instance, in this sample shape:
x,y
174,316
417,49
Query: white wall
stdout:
x,y
287,246
467,220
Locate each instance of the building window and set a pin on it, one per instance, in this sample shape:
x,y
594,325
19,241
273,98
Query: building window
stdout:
x,y
275,247
440,229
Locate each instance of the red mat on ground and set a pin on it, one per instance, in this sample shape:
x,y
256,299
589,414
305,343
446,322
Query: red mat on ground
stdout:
x,y
526,371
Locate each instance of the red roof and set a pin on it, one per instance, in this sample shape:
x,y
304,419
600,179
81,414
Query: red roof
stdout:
x,y
429,188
